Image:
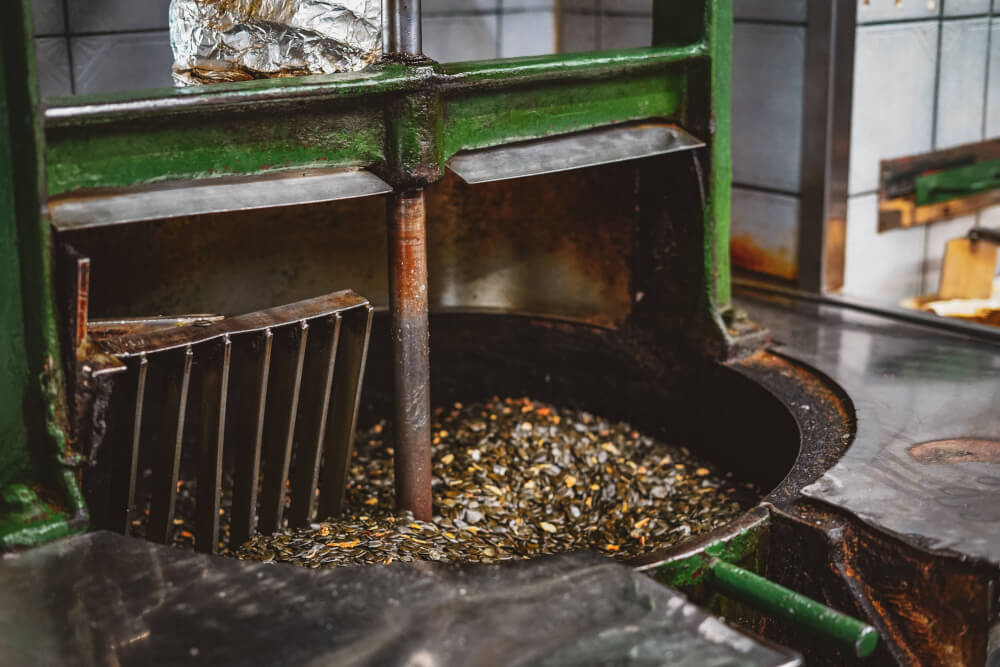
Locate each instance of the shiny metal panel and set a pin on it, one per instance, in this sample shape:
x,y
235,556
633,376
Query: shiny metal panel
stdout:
x,y
909,385
575,151
223,196
401,29
826,143
511,245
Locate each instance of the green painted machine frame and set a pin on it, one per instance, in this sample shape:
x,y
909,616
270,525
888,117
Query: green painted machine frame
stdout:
x,y
402,118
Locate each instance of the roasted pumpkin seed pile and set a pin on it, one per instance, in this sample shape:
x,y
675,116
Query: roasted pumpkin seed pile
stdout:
x,y
515,478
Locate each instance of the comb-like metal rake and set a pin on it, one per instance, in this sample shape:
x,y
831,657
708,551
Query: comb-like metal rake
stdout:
x,y
269,387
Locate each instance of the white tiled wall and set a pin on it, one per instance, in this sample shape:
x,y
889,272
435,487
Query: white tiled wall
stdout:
x,y
960,108
768,87
588,25
768,96
927,76
793,11
892,262
100,46
480,29
893,115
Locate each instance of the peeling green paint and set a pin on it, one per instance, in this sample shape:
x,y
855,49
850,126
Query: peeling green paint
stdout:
x,y
693,569
87,159
503,116
14,373
32,398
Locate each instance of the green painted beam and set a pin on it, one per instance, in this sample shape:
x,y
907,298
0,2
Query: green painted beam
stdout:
x,y
386,116
496,117
122,155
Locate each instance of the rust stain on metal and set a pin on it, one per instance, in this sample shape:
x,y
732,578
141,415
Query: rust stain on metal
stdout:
x,y
409,248
82,299
407,232
929,609
814,387
748,254
957,450
835,252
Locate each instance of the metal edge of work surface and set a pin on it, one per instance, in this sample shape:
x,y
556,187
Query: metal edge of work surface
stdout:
x,y
971,330
909,386
575,151
178,200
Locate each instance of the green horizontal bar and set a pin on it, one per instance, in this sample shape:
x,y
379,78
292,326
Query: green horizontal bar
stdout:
x,y
340,120
121,157
496,117
745,586
942,186
591,63
160,103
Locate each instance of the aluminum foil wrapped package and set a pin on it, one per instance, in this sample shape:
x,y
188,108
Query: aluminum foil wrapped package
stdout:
x,y
236,40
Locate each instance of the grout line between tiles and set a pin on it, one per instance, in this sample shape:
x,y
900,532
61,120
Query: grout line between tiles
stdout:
x,y
69,48
776,22
499,35
763,189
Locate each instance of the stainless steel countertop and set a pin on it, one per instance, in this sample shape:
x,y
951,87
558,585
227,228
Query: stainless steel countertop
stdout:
x,y
909,384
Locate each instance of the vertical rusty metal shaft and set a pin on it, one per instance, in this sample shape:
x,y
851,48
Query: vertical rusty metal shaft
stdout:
x,y
407,234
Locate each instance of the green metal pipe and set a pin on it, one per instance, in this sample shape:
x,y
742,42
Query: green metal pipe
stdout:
x,y
754,590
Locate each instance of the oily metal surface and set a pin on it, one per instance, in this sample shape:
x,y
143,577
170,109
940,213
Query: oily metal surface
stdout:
x,y
517,478
511,245
106,599
222,196
574,151
909,385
